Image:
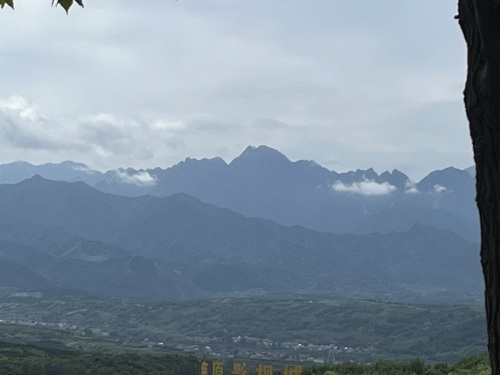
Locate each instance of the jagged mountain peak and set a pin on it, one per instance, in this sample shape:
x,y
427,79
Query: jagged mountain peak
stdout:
x,y
260,154
217,161
359,175
449,178
395,178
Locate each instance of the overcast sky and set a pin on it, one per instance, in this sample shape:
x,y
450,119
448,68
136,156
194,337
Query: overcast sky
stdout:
x,y
349,84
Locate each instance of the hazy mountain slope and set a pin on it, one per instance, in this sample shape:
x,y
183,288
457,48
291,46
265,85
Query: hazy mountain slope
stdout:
x,y
453,190
65,171
16,275
73,208
179,247
402,214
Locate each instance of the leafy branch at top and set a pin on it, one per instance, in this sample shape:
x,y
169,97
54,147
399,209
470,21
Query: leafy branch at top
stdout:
x,y
66,4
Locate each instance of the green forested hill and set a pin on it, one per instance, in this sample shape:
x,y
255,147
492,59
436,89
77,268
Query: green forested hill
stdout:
x,y
29,360
283,329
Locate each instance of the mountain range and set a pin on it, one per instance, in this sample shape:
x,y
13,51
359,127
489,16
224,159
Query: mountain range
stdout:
x,y
264,183
58,235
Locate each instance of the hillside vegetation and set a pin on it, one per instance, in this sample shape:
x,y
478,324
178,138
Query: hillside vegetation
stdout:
x,y
473,365
281,329
30,360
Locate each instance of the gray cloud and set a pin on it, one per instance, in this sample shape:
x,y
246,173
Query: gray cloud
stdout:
x,y
25,127
349,86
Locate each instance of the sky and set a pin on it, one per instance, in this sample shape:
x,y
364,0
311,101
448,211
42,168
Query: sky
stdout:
x,y
143,84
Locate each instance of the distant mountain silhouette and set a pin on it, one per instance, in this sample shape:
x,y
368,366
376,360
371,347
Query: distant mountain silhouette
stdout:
x,y
262,182
65,171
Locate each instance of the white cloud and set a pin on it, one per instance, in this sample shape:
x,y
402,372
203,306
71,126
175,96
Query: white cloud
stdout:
x,y
367,187
16,104
141,178
411,187
439,188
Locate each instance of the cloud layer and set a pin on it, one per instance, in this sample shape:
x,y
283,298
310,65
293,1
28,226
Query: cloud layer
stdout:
x,y
120,84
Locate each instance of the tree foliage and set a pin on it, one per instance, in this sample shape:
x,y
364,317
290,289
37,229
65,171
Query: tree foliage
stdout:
x,y
66,4
473,365
31,360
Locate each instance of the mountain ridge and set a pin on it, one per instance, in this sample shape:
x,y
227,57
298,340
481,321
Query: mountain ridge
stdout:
x,y
180,247
262,182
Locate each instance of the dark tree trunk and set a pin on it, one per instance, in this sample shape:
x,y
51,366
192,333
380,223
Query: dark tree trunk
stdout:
x,y
480,23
